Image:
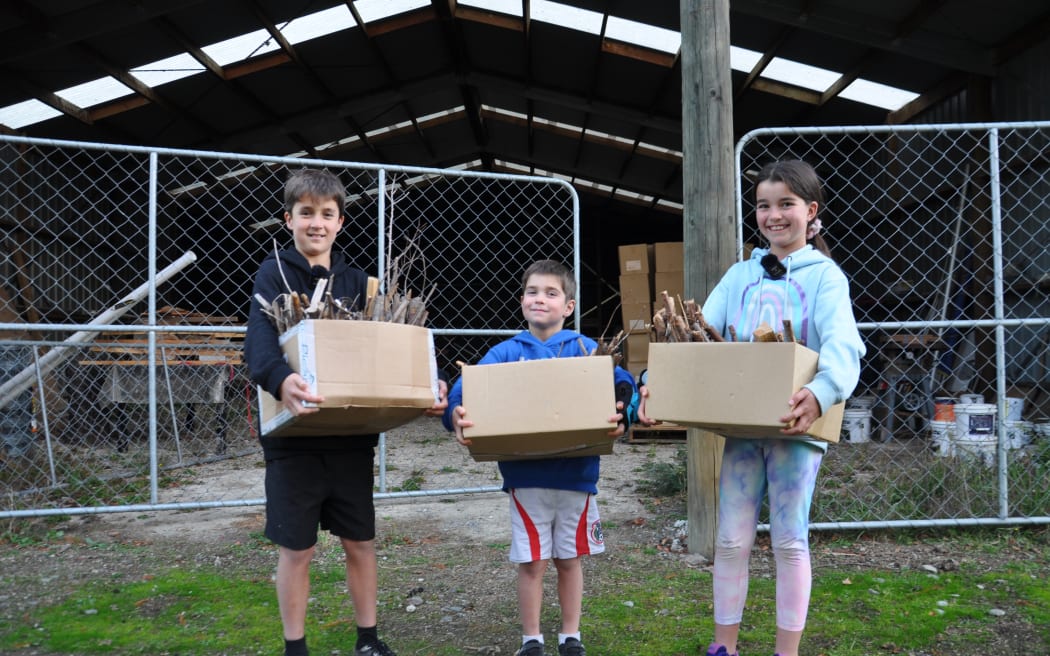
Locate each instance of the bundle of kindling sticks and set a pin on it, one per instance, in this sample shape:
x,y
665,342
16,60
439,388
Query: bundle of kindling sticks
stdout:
x,y
684,322
390,304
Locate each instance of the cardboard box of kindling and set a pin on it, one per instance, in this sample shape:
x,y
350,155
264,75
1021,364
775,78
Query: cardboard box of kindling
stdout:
x,y
374,376
552,408
737,389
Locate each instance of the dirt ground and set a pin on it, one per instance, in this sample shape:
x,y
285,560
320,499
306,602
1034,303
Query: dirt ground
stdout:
x,y
469,593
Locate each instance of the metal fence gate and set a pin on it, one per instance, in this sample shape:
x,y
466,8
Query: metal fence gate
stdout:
x,y
943,233
127,272
942,230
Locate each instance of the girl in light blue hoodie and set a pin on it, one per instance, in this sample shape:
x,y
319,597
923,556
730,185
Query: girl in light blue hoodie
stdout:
x,y
794,279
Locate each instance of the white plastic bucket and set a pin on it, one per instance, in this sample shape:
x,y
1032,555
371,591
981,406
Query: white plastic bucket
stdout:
x,y
1019,434
974,421
860,403
971,399
975,435
942,435
856,425
1014,408
979,450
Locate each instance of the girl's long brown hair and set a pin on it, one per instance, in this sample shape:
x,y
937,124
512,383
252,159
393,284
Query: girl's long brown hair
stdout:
x,y
801,179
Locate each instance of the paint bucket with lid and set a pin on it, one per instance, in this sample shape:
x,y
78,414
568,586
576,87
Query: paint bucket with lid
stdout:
x,y
943,408
971,399
1019,433
975,436
856,425
860,403
942,435
1014,408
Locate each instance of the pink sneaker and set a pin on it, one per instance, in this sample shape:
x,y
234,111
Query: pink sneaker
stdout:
x,y
715,649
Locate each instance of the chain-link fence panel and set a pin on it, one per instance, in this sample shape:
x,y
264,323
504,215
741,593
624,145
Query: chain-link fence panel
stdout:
x,y
942,231
126,280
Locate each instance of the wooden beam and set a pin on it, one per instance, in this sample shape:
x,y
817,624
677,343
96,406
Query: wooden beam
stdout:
x,y
709,215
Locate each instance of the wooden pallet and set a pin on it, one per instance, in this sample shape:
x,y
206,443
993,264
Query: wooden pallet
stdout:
x,y
657,434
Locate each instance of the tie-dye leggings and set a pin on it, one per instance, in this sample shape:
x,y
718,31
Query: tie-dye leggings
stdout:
x,y
788,470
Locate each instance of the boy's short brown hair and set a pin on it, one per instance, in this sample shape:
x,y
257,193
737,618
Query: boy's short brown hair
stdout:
x,y
315,183
552,268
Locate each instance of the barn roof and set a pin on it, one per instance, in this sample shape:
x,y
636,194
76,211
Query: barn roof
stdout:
x,y
492,86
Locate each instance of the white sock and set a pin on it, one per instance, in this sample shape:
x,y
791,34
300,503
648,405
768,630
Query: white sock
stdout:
x,y
537,638
562,637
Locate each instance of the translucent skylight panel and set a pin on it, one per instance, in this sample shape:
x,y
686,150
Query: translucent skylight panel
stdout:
x,y
648,36
880,95
566,16
800,75
371,10
26,113
318,24
241,47
95,92
742,59
168,70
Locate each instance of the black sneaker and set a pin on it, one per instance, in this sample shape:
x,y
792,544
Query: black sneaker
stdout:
x,y
375,649
571,647
531,648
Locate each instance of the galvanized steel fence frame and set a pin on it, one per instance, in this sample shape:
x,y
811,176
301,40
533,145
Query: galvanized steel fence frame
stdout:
x,y
487,222
893,480
943,232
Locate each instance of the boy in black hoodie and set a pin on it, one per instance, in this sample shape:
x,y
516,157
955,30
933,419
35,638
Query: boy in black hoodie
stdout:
x,y
315,481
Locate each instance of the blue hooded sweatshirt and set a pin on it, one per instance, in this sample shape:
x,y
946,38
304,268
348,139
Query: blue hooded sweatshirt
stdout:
x,y
577,473
814,295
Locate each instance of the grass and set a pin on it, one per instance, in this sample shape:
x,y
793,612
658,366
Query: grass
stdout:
x,y
634,601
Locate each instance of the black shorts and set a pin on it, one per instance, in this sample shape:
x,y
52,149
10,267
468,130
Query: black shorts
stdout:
x,y
330,490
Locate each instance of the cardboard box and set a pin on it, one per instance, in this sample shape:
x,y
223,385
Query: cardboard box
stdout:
x,y
636,258
636,316
673,282
557,407
667,256
636,288
374,376
737,389
636,347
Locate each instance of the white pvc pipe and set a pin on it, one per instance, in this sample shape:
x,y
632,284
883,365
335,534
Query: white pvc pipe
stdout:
x,y
21,381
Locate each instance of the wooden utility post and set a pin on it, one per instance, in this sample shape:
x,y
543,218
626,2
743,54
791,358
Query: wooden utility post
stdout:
x,y
709,223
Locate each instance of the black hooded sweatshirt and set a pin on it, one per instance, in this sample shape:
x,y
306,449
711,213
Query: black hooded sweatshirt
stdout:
x,y
262,351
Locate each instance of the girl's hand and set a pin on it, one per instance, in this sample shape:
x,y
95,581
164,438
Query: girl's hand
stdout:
x,y
804,411
459,422
643,418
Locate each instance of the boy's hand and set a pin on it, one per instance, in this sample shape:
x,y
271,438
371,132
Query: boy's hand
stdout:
x,y
294,391
438,409
618,420
804,411
459,422
643,418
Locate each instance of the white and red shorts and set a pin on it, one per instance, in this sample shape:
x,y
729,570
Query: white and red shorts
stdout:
x,y
549,523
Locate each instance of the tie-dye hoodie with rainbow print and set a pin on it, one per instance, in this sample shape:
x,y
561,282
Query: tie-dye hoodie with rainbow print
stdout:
x,y
814,295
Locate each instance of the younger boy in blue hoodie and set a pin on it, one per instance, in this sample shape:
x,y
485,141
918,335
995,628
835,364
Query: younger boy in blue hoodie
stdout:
x,y
553,512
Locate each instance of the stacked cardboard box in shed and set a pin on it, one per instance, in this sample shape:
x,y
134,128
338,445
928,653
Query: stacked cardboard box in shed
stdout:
x,y
645,271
